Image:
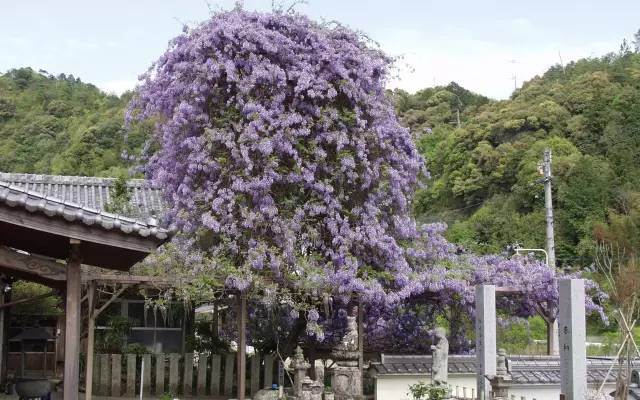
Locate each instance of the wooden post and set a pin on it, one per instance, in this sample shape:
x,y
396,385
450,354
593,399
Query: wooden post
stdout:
x,y
116,374
131,375
228,375
187,381
268,371
105,374
72,324
242,345
146,374
215,374
202,376
255,373
91,330
174,372
159,374
3,350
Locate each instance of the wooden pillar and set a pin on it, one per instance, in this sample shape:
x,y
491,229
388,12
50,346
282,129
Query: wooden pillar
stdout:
x,y
3,334
6,297
242,345
91,330
72,324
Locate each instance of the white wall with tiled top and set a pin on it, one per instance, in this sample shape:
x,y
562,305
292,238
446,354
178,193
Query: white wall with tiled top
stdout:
x,y
396,387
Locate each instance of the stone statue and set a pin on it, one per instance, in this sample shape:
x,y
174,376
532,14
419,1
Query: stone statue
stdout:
x,y
350,340
319,370
440,367
346,380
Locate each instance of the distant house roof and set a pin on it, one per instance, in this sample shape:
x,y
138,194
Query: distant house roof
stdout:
x,y
523,370
90,192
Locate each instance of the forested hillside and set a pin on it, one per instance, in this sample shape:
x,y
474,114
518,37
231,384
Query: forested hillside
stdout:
x,y
482,154
485,178
61,125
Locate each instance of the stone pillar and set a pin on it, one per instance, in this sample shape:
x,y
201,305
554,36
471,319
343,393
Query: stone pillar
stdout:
x,y
485,338
72,325
346,379
573,353
300,367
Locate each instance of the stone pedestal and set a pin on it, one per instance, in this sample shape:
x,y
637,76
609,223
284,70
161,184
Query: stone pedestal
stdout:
x,y
346,381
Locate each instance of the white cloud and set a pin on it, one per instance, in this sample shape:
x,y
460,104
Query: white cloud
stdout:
x,y
482,66
117,87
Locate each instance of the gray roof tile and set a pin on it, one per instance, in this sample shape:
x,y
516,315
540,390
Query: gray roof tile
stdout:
x,y
35,201
91,192
524,370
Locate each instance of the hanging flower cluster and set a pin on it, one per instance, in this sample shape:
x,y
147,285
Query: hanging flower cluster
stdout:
x,y
277,148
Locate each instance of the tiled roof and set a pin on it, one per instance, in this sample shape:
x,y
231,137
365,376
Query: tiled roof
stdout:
x,y
90,192
418,365
34,201
524,370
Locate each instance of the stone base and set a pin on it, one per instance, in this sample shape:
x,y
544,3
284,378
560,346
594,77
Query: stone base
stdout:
x,y
346,383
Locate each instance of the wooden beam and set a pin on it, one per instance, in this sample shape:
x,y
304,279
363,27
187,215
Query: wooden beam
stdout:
x,y
111,300
32,264
130,279
78,230
242,345
72,324
507,289
4,305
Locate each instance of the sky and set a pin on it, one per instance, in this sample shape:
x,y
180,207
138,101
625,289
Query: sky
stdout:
x,y
487,46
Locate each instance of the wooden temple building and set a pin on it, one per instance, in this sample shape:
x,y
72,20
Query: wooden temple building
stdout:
x,y
55,231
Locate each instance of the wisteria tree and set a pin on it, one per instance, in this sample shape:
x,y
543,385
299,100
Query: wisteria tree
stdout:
x,y
286,169
280,153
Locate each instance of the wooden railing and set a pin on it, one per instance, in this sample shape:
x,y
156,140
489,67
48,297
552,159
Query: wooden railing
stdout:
x,y
119,375
461,392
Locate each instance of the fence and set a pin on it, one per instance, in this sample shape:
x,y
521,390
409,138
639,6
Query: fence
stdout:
x,y
464,393
119,375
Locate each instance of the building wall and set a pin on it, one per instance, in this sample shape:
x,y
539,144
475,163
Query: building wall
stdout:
x,y
548,392
396,387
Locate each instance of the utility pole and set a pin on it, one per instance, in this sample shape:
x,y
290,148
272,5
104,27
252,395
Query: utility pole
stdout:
x,y
515,75
553,347
458,110
548,206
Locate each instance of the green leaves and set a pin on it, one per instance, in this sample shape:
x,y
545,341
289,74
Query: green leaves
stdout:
x,y
485,178
62,126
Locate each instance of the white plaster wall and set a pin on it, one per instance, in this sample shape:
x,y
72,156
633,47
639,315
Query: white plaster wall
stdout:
x,y
396,387
548,392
